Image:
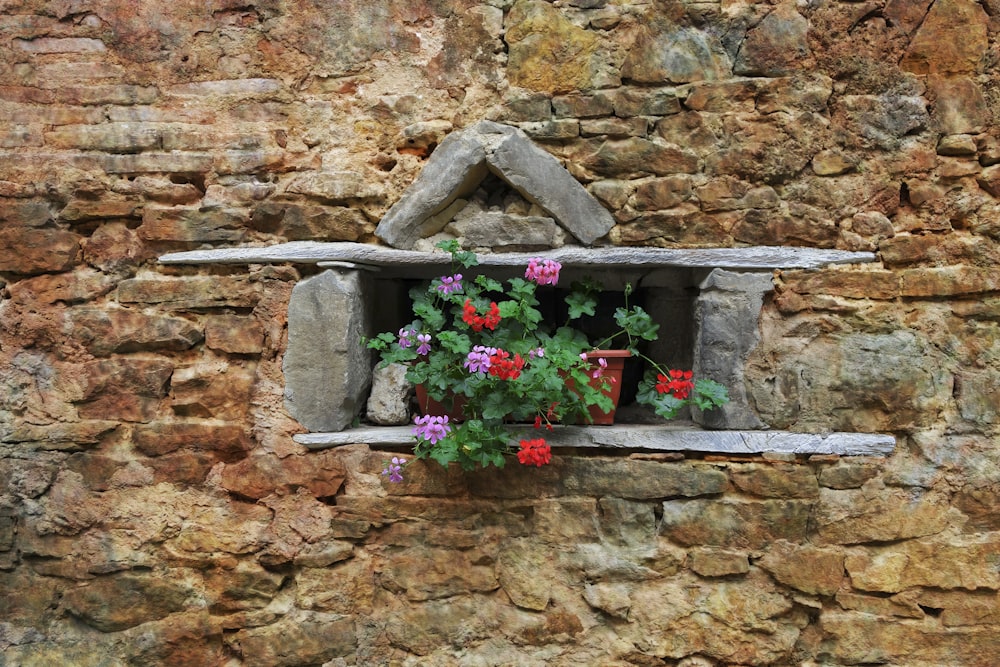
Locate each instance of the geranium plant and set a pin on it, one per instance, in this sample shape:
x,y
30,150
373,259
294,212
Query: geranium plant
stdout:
x,y
484,348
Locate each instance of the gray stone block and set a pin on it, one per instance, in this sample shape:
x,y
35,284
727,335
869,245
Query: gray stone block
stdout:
x,y
327,369
454,170
389,403
463,160
726,315
543,181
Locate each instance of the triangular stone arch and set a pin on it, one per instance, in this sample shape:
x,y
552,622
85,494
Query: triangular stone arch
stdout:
x,y
461,162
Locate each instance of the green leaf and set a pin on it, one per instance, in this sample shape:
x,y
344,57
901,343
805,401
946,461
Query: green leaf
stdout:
x,y
580,304
709,394
637,323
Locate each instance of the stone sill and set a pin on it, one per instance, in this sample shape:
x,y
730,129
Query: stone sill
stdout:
x,y
644,437
755,258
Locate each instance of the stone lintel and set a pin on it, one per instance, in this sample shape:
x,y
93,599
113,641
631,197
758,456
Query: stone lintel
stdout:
x,y
636,436
755,258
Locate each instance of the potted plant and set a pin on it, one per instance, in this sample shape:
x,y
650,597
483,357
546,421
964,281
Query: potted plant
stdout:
x,y
483,349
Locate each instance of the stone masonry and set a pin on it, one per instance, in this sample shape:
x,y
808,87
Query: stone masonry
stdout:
x,y
155,506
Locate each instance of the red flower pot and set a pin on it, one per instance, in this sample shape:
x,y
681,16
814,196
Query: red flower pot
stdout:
x,y
453,407
616,364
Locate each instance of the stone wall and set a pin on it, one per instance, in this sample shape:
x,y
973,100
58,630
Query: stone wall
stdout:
x,y
154,509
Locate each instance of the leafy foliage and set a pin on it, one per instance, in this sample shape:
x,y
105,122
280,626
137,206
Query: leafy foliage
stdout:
x,y
490,346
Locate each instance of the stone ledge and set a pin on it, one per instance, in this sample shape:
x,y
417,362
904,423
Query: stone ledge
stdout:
x,y
634,436
755,258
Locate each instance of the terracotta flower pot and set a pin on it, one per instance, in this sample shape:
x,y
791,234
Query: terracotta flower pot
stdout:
x,y
616,365
453,408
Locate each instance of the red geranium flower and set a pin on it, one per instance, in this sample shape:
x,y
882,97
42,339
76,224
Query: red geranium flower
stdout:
x,y
534,452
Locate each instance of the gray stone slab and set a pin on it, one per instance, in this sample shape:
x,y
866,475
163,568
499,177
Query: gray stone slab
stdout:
x,y
727,314
755,258
461,162
645,437
542,180
327,370
454,170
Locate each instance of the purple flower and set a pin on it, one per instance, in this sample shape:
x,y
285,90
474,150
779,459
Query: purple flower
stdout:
x,y
431,428
478,361
394,469
425,344
543,271
450,284
537,352
602,365
404,337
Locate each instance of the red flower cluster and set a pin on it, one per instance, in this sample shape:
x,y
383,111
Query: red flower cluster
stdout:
x,y
534,452
503,366
679,384
477,322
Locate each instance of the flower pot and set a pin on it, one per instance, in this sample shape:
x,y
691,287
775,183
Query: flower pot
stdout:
x,y
616,364
453,407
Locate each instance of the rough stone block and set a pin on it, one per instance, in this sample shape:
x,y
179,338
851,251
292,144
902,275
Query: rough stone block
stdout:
x,y
213,389
462,161
189,163
109,94
726,315
60,45
718,562
852,284
327,370
504,231
646,102
810,569
868,515
948,281
456,168
31,251
300,638
676,55
79,210
776,46
191,292
640,479
121,601
222,87
107,330
298,222
543,181
21,136
620,158
76,287
735,524
339,186
551,130
266,474
615,127
775,480
580,105
389,403
660,193
548,52
959,562
952,39
226,441
234,334
111,137
192,224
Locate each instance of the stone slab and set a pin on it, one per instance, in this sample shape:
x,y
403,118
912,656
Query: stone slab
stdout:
x,y
327,370
755,258
544,181
635,436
